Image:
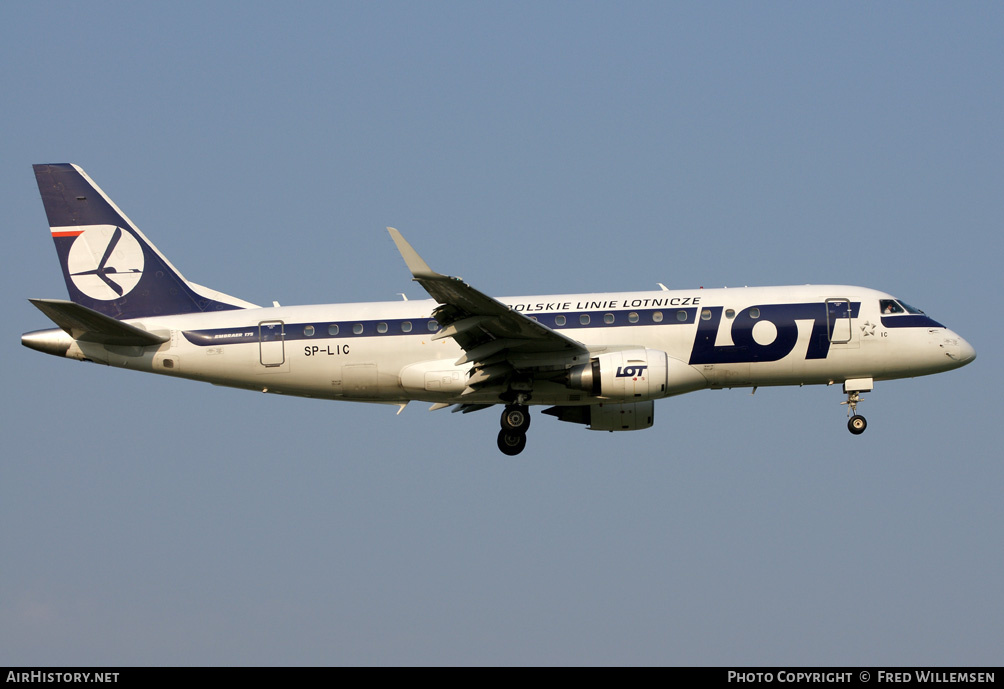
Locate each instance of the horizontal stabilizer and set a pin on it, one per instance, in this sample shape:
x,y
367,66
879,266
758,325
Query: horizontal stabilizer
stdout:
x,y
87,325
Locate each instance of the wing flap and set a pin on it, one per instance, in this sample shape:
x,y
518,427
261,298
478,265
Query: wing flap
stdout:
x,y
461,326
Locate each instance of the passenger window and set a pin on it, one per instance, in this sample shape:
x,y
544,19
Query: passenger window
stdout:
x,y
754,313
608,318
406,327
705,314
333,329
584,319
730,313
381,328
357,329
308,330
559,320
681,315
632,317
433,326
657,317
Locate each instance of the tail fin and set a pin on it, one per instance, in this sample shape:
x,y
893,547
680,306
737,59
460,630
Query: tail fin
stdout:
x,y
108,264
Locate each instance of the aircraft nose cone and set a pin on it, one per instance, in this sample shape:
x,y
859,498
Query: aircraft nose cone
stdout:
x,y
966,352
958,350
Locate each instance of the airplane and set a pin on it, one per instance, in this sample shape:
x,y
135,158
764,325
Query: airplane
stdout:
x,y
598,359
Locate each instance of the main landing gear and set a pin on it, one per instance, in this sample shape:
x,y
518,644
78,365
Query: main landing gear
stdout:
x,y
515,420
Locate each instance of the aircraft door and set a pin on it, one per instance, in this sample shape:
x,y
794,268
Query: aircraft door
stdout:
x,y
838,320
271,337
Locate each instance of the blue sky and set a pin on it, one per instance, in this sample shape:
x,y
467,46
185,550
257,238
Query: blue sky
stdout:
x,y
532,148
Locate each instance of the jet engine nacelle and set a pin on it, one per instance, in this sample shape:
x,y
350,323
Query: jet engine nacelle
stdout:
x,y
635,374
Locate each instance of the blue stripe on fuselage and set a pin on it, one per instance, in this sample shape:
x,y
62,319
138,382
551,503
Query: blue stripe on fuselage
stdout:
x,y
421,326
744,348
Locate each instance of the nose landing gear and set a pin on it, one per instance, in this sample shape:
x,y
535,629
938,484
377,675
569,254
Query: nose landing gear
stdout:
x,y
856,424
515,420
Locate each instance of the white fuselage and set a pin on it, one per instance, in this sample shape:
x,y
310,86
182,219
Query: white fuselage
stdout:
x,y
385,351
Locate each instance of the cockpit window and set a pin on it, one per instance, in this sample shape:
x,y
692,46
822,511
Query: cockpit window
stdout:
x,y
890,306
893,306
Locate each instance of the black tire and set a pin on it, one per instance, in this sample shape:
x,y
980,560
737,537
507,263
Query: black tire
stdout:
x,y
516,418
857,424
511,443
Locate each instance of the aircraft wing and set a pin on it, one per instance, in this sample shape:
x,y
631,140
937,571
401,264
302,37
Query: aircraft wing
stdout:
x,y
504,346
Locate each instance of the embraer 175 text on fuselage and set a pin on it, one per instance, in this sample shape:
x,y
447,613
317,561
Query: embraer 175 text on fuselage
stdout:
x,y
595,359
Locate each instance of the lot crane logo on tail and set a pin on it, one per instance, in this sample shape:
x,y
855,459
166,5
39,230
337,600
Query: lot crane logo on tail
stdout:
x,y
104,263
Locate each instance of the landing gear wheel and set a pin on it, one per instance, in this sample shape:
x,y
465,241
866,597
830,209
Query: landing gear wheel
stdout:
x,y
857,424
511,442
516,418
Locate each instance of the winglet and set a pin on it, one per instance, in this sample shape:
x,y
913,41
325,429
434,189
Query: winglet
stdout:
x,y
418,267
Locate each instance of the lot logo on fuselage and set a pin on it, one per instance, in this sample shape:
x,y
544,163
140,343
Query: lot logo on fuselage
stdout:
x,y
105,262
750,345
